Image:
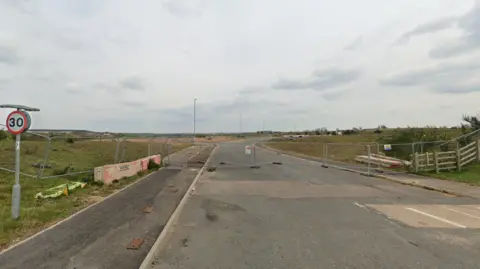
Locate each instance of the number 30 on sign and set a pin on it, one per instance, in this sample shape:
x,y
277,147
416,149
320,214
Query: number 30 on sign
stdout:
x,y
18,122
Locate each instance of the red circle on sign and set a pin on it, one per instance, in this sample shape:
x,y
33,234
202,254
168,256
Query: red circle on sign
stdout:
x,y
25,123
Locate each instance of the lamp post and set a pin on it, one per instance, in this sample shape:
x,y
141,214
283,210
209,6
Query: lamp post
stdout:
x,y
194,119
18,121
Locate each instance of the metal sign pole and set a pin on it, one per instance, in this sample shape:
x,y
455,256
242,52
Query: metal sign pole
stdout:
x,y
369,159
16,190
18,121
254,154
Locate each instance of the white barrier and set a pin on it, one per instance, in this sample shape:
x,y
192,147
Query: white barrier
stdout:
x,y
109,173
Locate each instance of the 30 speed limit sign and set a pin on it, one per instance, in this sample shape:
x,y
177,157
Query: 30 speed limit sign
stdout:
x,y
18,122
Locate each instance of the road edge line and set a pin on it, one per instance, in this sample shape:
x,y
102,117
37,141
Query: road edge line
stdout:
x,y
79,212
173,218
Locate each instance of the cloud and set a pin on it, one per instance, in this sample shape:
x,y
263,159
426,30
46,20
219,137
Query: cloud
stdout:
x,y
332,96
429,27
185,8
134,104
469,41
8,55
430,74
251,90
135,66
453,78
355,44
320,80
133,83
463,87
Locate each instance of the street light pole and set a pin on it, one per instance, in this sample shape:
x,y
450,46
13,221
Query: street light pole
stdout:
x,y
194,119
240,124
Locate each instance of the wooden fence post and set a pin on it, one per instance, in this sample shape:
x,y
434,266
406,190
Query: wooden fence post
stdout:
x,y
435,160
458,157
427,159
478,150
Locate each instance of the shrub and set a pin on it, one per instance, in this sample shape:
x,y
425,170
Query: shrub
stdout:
x,y
88,178
152,165
70,140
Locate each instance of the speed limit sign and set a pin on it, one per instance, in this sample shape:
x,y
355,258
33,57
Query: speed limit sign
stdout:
x,y
18,122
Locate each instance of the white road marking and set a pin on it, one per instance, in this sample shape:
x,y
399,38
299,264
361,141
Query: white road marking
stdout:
x,y
458,211
361,206
435,217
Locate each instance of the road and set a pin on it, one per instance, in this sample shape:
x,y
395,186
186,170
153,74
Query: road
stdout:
x,y
98,237
301,215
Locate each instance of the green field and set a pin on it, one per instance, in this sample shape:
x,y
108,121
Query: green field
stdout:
x,y
79,156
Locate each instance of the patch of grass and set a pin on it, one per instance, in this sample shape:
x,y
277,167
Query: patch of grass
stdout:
x,y
346,147
469,174
65,156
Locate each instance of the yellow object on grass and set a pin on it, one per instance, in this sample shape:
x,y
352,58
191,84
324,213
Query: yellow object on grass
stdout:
x,y
60,190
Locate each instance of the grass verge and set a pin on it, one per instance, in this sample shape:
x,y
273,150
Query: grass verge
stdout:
x,y
469,174
81,155
342,148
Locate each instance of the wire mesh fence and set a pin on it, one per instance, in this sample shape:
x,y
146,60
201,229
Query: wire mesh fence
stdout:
x,y
48,160
45,156
368,157
242,156
376,157
461,141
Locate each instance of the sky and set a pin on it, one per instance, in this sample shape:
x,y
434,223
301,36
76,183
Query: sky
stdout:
x,y
138,66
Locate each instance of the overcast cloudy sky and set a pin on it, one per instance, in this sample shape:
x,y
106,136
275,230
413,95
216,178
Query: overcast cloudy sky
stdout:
x,y
136,66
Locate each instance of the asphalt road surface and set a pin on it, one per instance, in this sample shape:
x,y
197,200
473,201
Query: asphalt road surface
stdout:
x,y
300,215
98,237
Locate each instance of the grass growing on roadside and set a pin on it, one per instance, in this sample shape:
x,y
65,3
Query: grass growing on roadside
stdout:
x,y
469,174
82,155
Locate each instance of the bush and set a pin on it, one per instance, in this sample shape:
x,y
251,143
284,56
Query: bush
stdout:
x,y
70,140
88,178
152,165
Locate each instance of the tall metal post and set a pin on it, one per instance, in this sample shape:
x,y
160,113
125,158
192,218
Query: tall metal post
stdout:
x,y
194,119
24,126
369,158
16,190
45,159
240,124
254,154
325,153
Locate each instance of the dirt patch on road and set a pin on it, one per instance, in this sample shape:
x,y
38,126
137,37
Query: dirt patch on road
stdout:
x,y
199,159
